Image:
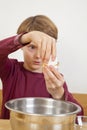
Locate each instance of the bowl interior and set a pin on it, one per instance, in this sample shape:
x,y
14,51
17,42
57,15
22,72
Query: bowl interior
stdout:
x,y
42,106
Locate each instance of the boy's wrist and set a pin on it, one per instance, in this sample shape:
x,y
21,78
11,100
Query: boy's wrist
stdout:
x,y
24,40
21,39
59,95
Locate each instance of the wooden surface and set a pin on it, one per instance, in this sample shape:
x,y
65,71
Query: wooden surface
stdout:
x,y
5,125
82,99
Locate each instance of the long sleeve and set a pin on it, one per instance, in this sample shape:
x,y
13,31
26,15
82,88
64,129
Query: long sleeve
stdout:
x,y
69,97
7,46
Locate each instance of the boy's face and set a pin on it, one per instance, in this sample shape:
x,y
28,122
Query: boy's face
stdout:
x,y
32,60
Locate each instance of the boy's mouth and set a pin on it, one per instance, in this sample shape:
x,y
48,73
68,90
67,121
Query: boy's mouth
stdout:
x,y
37,62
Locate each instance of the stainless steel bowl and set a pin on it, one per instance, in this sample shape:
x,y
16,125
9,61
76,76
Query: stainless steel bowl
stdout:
x,y
42,114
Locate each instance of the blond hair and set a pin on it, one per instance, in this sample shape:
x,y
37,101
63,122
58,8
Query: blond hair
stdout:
x,y
38,23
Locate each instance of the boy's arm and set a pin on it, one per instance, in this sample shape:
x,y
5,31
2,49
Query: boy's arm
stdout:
x,y
8,46
69,97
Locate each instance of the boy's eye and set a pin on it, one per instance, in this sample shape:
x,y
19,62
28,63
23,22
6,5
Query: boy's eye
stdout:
x,y
32,47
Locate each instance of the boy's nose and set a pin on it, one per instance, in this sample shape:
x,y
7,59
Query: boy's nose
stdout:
x,y
38,53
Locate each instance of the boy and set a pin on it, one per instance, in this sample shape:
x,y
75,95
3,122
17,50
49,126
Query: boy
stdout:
x,y
37,36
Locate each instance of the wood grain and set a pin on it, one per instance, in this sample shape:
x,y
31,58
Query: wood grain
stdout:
x,y
82,99
5,125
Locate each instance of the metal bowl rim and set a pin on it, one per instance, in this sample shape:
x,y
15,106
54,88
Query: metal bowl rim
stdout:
x,y
35,114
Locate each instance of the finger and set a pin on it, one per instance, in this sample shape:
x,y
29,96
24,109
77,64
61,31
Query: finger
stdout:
x,y
48,52
49,75
49,83
53,49
39,47
43,49
56,73
53,79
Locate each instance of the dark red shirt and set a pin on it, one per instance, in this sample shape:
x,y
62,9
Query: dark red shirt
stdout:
x,y
17,81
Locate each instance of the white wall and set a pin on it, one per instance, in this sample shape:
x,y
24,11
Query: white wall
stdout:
x,y
71,18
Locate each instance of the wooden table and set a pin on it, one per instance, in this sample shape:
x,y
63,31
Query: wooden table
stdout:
x,y
5,124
